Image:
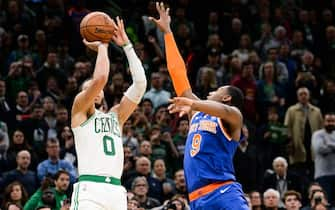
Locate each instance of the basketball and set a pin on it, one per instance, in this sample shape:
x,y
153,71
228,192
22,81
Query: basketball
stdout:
x,y
97,26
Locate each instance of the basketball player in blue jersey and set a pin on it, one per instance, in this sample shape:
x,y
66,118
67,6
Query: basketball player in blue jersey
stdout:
x,y
214,134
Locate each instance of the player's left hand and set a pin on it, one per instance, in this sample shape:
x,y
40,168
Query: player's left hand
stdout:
x,y
163,23
94,45
120,36
180,105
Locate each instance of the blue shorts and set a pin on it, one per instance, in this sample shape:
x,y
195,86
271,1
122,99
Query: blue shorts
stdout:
x,y
227,197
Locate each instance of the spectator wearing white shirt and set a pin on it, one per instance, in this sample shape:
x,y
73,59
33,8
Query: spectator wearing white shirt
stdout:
x,y
323,146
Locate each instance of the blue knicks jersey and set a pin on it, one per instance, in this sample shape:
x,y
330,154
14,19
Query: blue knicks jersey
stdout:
x,y
209,152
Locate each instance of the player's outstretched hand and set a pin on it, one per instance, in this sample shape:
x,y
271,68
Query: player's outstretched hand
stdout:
x,y
163,23
180,105
94,45
120,36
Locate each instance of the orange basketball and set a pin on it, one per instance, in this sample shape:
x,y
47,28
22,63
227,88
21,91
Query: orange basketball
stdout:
x,y
97,26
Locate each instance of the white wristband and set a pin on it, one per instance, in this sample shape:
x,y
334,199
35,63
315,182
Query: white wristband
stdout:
x,y
127,46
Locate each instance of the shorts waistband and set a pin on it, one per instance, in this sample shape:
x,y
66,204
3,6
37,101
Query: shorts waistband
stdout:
x,y
207,189
101,179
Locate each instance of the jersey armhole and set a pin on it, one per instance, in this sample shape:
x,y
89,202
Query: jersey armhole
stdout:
x,y
114,114
224,130
88,120
193,116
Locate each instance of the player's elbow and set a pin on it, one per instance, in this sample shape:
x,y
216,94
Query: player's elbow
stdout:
x,y
171,66
231,114
136,91
140,81
141,86
99,80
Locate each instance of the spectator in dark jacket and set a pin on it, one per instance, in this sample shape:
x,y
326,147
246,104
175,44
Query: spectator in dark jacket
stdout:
x,y
281,179
22,174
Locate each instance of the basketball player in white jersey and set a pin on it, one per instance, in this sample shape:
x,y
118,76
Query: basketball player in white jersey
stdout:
x,y
98,135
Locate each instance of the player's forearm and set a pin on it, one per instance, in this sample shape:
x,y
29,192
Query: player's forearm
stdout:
x,y
212,108
136,91
176,65
101,70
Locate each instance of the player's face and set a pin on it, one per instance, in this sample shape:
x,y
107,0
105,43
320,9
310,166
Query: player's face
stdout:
x,y
219,95
98,99
292,203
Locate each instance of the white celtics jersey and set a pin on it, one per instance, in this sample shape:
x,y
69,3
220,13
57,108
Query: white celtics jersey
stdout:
x,y
99,145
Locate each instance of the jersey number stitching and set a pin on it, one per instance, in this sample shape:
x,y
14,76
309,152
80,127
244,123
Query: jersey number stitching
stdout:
x,y
109,147
196,141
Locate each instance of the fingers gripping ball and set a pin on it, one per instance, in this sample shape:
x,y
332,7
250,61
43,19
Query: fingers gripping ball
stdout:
x,y
97,26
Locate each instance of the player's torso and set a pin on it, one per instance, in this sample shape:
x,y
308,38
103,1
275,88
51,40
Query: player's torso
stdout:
x,y
99,145
208,152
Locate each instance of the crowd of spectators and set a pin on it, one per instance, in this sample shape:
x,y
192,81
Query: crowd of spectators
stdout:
x,y
281,54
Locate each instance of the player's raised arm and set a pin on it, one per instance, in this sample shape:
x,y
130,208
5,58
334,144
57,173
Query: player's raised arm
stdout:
x,y
135,92
175,63
228,113
83,105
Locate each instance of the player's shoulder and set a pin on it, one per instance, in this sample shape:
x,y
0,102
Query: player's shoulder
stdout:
x,y
80,119
114,109
193,115
112,112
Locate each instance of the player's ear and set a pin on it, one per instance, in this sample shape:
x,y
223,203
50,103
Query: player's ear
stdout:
x,y
226,98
